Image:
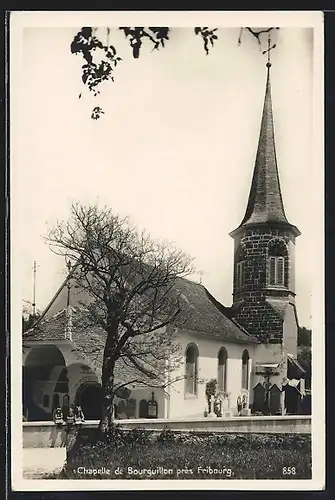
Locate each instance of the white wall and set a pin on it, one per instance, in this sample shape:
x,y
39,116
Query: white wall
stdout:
x,y
182,405
290,331
145,393
268,353
291,250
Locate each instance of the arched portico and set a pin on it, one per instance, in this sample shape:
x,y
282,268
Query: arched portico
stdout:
x,y
42,367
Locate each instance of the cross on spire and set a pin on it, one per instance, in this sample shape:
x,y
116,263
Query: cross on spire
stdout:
x,y
268,51
69,267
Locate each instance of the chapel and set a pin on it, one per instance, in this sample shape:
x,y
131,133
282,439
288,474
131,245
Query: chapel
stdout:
x,y
249,348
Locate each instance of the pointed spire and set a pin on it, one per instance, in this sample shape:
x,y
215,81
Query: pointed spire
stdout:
x,y
265,204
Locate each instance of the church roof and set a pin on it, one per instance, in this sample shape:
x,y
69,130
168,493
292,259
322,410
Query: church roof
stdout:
x,y
201,315
201,312
265,203
206,315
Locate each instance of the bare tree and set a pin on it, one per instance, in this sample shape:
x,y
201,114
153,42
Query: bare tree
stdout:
x,y
131,283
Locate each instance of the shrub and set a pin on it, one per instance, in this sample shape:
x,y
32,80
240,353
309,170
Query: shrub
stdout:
x,y
115,435
166,436
249,456
139,436
211,386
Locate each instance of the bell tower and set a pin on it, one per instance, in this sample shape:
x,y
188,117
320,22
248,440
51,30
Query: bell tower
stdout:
x,y
264,244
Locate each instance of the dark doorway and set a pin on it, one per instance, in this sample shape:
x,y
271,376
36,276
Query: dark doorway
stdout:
x,y
89,397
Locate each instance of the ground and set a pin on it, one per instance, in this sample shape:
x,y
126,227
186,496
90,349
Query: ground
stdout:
x,y
38,462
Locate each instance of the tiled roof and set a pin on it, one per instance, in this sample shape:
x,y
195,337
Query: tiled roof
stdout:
x,y
203,314
265,202
89,343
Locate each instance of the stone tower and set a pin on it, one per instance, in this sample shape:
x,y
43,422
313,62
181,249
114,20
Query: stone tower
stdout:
x,y
264,247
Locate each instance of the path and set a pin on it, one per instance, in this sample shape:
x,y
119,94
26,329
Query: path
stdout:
x,y
37,462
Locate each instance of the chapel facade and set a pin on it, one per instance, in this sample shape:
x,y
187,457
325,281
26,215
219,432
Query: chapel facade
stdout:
x,y
250,348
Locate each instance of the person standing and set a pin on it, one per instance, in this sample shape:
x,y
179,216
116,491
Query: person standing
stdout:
x,y
70,419
79,416
239,405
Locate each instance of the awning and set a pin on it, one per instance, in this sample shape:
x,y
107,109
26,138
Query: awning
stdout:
x,y
266,365
294,367
294,383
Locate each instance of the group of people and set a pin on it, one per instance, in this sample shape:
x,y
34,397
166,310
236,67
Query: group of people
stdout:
x,y
73,415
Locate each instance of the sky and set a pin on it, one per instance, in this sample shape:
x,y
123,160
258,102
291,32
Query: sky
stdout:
x,y
174,150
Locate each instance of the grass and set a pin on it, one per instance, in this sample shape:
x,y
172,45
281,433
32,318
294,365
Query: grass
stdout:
x,y
139,454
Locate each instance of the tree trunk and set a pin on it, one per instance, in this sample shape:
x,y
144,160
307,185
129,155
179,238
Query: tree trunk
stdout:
x,y
107,377
107,417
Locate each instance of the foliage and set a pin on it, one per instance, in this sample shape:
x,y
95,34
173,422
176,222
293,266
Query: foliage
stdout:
x,y
305,359
28,322
101,58
248,456
115,436
304,337
166,436
29,315
211,387
219,395
94,73
130,282
208,36
157,36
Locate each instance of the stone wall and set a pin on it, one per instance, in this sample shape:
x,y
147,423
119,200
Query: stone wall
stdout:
x,y
252,310
45,435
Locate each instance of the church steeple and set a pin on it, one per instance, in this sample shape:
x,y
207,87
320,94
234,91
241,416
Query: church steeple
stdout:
x,y
265,203
264,245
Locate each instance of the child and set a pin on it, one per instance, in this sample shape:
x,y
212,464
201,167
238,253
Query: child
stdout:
x,y
58,416
70,420
239,405
79,416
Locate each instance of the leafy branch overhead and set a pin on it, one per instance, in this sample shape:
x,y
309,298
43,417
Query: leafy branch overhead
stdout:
x,y
136,36
101,58
207,35
94,72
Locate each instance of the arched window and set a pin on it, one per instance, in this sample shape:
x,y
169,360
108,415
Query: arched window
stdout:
x,y
222,369
240,268
277,263
245,369
191,374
